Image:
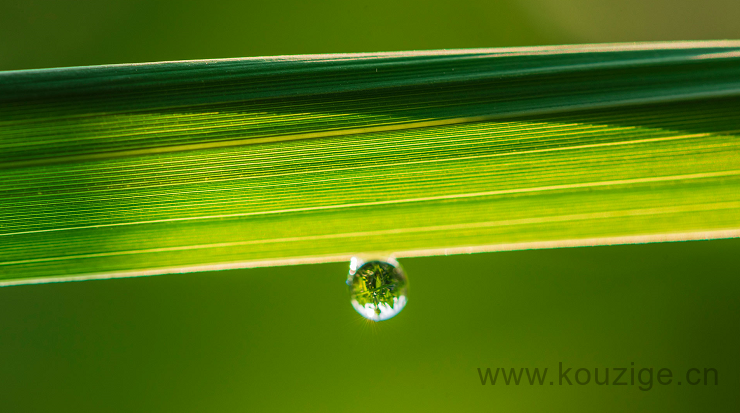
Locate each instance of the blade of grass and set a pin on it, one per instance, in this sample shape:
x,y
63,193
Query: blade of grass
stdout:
x,y
184,166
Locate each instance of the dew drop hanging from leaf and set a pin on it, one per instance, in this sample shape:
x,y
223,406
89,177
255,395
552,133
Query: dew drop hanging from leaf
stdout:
x,y
378,288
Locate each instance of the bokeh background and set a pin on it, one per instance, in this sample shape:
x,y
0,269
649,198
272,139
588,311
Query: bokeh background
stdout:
x,y
287,339
54,33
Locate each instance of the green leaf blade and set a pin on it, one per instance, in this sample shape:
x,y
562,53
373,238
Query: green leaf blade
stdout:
x,y
598,152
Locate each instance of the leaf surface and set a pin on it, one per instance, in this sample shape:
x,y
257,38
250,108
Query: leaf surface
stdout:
x,y
169,167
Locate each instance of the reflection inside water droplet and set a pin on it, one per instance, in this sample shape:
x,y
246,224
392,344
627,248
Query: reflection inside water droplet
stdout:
x,y
378,288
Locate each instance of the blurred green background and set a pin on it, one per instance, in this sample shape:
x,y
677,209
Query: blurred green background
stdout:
x,y
282,339
287,339
54,33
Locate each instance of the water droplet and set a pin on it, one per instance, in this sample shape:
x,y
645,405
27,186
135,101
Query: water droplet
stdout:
x,y
378,287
